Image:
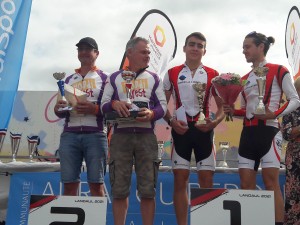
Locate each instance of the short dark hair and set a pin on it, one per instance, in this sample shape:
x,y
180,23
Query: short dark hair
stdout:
x,y
132,42
259,38
197,35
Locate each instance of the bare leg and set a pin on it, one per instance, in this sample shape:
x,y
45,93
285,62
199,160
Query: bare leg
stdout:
x,y
120,207
97,189
71,189
181,177
205,178
248,178
148,210
271,181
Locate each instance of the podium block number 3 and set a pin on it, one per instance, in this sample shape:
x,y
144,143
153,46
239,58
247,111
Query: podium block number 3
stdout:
x,y
235,211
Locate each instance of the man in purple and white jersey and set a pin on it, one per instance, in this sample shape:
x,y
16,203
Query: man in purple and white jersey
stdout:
x,y
134,140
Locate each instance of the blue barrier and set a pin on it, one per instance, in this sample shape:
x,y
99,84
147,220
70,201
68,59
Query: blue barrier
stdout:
x,y
24,184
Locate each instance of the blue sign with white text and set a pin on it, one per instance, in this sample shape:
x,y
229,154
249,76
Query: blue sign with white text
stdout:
x,y
25,184
14,17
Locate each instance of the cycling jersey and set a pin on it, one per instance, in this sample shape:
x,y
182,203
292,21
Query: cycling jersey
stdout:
x,y
93,85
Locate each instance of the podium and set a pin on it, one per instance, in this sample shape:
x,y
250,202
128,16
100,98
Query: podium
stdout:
x,y
232,207
45,210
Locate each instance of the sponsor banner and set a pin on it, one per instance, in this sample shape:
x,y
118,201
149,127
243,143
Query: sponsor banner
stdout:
x,y
13,30
292,41
23,185
233,207
158,29
62,209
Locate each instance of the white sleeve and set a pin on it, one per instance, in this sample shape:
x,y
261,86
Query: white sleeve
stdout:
x,y
291,94
106,98
166,82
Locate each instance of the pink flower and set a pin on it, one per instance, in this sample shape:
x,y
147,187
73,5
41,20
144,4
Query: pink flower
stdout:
x,y
228,86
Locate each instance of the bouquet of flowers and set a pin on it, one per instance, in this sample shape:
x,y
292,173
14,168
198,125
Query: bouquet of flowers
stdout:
x,y
228,86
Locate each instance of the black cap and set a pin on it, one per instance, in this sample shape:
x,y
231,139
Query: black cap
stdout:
x,y
88,41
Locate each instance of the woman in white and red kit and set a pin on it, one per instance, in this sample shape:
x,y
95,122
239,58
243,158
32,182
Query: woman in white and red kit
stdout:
x,y
260,141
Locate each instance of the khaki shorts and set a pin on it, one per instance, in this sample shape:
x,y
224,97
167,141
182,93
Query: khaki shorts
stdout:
x,y
124,150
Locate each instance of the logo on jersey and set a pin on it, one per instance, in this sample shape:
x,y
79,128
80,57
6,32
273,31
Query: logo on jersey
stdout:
x,y
182,77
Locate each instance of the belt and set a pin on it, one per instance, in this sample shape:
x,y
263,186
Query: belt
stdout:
x,y
83,132
254,122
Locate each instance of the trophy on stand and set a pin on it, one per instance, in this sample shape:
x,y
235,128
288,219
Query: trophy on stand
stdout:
x,y
261,73
32,143
15,143
224,146
2,137
161,150
60,84
128,76
200,89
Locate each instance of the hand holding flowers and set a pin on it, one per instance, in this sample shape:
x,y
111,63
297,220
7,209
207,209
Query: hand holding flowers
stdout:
x,y
228,86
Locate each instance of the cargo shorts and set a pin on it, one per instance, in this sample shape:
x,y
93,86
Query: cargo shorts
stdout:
x,y
141,150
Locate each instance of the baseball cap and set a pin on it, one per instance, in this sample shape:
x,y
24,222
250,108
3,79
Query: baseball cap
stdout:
x,y
88,41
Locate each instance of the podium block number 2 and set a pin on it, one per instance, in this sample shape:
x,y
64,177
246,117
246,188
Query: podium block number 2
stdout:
x,y
235,211
69,210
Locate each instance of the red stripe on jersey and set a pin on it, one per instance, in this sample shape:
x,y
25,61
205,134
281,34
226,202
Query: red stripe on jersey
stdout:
x,y
281,109
173,77
239,112
211,73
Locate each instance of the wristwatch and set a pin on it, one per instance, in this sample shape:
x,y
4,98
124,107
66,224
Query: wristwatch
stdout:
x,y
170,121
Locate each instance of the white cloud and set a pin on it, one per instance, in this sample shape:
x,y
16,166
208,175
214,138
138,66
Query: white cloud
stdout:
x,y
56,26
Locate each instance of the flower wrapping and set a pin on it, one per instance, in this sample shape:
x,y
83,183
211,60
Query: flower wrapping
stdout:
x,y
228,86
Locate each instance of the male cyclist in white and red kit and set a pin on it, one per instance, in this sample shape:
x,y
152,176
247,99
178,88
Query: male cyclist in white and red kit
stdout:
x,y
186,134
260,141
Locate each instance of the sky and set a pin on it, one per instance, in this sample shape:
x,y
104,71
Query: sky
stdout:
x,y
56,26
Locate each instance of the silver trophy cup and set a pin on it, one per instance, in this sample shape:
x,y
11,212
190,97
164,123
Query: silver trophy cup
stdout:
x,y
32,143
224,147
261,73
2,137
15,143
161,151
60,84
200,89
128,76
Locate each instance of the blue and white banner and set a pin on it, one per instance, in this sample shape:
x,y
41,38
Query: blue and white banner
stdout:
x,y
25,184
158,29
14,17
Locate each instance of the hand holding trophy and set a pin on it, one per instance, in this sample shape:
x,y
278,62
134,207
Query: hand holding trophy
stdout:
x,y
200,90
261,73
60,83
128,76
114,117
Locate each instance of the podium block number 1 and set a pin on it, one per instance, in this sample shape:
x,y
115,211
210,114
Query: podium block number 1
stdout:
x,y
235,211
234,207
